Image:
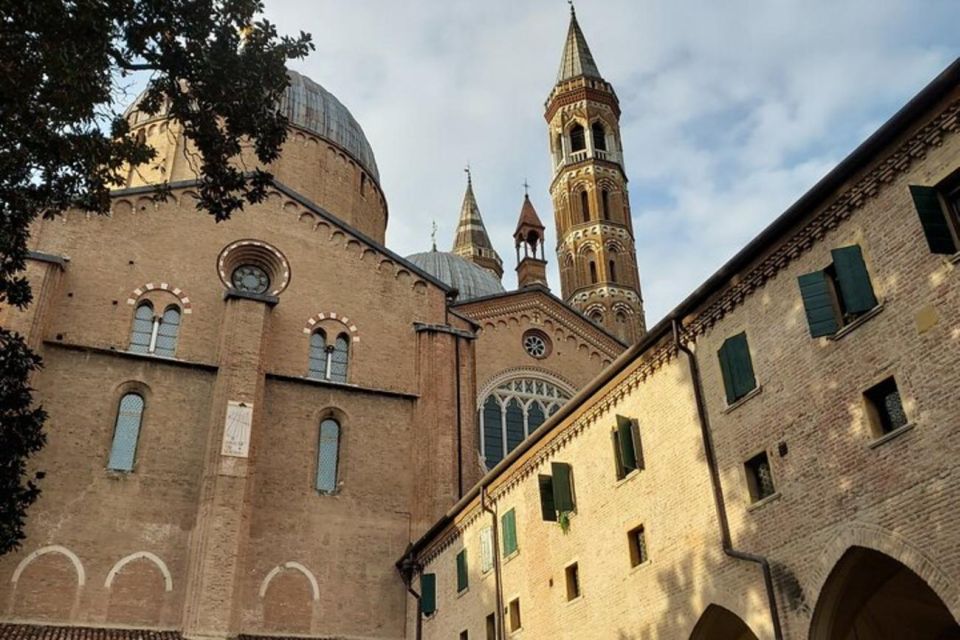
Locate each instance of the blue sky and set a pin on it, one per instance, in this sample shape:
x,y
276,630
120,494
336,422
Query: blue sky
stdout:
x,y
731,110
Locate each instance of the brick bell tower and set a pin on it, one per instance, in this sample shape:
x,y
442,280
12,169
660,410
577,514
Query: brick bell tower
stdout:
x,y
595,248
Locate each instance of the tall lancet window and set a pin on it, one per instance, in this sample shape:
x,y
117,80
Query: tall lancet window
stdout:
x,y
599,136
126,433
585,206
578,139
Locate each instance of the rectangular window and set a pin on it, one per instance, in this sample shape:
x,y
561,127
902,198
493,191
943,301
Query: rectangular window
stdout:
x,y
759,477
736,367
514,614
839,294
884,408
509,529
628,453
572,574
464,635
428,594
462,579
939,212
486,549
564,497
637,541
548,510
492,626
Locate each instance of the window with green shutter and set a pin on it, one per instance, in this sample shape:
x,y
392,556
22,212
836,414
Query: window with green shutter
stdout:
x,y
736,367
428,594
509,529
564,497
939,225
628,453
462,579
548,509
839,294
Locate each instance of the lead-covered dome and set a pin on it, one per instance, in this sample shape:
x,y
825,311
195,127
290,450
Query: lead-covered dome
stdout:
x,y
310,107
473,281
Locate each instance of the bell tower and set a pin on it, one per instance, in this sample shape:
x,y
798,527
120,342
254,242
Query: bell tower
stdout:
x,y
595,246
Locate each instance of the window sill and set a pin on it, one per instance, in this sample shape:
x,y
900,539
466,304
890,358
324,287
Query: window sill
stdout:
x,y
627,478
741,401
773,497
887,437
954,259
463,593
857,323
574,601
510,557
245,295
640,566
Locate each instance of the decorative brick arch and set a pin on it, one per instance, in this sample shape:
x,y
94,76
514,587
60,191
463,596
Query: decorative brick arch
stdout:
x,y
146,555
877,538
163,286
332,315
54,548
296,566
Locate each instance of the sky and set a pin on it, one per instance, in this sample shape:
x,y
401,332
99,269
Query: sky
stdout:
x,y
730,110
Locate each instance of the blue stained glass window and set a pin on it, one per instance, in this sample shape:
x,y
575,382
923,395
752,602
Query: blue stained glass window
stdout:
x,y
492,431
535,416
339,358
167,332
126,432
328,454
318,355
515,432
142,329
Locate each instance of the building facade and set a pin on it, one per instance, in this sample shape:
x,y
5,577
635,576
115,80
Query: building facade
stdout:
x,y
735,478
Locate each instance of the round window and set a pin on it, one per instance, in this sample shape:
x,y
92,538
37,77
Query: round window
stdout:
x,y
536,344
250,278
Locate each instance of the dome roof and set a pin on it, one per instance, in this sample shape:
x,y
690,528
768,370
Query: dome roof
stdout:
x,y
309,106
473,281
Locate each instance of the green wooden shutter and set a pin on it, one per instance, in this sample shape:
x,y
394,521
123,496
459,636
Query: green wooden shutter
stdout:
x,y
853,279
462,580
563,496
617,459
933,220
428,594
547,509
737,367
818,303
628,455
509,526
637,443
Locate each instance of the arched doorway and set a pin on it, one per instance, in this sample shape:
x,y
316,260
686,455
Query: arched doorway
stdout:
x,y
869,595
718,623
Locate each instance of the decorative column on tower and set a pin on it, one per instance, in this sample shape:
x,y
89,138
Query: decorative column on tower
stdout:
x,y
531,269
595,246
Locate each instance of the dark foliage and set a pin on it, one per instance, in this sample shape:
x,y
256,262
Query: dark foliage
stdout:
x,y
212,65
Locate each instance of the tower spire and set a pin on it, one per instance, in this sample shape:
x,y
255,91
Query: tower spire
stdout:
x,y
472,241
577,59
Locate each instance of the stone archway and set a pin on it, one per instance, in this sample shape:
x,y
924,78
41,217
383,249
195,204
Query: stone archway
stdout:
x,y
868,594
718,623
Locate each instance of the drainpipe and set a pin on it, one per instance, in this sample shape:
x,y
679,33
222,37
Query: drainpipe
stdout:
x,y
711,457
408,567
498,614
456,347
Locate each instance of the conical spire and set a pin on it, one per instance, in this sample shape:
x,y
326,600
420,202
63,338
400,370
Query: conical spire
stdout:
x,y
528,219
531,268
577,59
472,241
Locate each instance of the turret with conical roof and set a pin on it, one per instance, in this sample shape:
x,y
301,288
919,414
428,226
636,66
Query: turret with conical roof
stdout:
x,y
531,270
472,241
595,245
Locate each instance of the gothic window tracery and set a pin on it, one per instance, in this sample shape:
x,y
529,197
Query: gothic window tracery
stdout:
x,y
514,410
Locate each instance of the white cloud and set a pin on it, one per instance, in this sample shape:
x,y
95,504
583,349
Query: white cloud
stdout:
x,y
731,110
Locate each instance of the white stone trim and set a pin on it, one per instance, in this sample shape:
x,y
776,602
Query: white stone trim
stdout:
x,y
296,566
54,548
167,579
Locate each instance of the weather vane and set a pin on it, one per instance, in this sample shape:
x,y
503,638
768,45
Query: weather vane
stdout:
x,y
433,235
467,170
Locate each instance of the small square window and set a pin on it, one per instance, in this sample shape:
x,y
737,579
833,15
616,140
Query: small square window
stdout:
x,y
759,477
637,540
573,581
514,614
492,626
884,408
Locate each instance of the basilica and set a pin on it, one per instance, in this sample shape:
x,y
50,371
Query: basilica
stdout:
x,y
277,427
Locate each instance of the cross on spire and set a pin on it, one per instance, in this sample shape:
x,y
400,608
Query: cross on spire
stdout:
x,y
526,188
433,235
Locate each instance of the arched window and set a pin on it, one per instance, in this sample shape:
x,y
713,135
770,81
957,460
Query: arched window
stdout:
x,y
329,362
155,334
605,203
593,272
328,455
578,141
597,316
363,183
599,136
613,271
126,432
513,411
585,205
